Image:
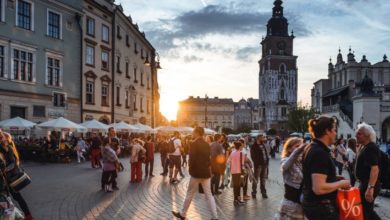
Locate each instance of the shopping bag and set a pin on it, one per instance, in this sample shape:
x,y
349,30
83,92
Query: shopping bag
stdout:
x,y
350,204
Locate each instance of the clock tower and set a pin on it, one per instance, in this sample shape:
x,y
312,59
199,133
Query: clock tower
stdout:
x,y
278,72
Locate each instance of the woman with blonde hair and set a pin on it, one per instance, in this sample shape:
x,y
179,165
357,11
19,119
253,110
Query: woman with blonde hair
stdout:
x,y
291,167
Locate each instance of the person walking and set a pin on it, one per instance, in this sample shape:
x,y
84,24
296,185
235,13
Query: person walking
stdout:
x,y
149,158
163,147
114,144
291,167
95,151
260,158
217,163
110,161
80,149
351,156
175,158
135,160
340,154
320,183
367,169
236,161
200,172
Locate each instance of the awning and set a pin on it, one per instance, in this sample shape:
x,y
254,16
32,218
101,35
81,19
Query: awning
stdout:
x,y
335,92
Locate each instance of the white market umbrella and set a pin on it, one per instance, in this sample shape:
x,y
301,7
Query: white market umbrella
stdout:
x,y
95,126
209,131
144,128
62,124
123,126
17,123
186,130
166,129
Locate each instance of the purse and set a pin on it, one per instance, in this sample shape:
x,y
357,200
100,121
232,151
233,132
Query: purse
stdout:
x,y
18,179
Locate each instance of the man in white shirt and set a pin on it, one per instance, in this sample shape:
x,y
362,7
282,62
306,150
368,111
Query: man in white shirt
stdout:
x,y
175,158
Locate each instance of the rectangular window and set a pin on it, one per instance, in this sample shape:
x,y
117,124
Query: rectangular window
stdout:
x,y
89,91
90,26
142,79
118,96
53,72
118,64
118,32
24,15
90,55
105,95
105,60
39,111
127,70
54,25
22,65
135,48
147,106
141,104
127,41
2,10
135,75
284,112
58,99
135,103
127,99
148,82
2,60
18,111
105,33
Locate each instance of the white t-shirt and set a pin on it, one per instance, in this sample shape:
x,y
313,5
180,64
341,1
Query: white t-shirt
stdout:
x,y
177,144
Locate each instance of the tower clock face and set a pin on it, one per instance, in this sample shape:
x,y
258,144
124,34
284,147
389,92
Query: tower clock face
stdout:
x,y
281,45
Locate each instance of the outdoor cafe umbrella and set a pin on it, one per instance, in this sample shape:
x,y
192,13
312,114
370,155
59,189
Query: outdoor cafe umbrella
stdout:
x,y
95,126
144,128
16,123
209,131
62,124
166,129
123,126
186,130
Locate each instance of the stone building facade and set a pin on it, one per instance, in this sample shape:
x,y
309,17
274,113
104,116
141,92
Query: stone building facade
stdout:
x,y
278,72
246,113
40,59
355,91
213,113
133,72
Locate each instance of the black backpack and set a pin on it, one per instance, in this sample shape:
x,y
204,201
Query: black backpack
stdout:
x,y
171,146
384,176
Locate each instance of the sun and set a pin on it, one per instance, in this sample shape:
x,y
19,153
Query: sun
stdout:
x,y
169,107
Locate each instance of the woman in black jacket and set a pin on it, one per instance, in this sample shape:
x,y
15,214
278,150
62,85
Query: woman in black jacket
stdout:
x,y
11,156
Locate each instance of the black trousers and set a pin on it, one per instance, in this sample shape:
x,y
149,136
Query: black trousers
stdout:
x,y
108,178
236,185
260,172
149,168
22,203
368,207
215,182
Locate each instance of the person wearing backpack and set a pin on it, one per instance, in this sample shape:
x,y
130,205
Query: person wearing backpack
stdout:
x,y
368,169
136,160
174,157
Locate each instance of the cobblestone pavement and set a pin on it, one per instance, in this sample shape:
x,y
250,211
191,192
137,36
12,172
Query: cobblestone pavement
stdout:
x,y
72,191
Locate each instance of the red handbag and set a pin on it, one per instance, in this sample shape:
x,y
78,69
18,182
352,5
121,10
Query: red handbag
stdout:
x,y
350,204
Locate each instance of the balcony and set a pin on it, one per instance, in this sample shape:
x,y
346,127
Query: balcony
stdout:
x,y
331,108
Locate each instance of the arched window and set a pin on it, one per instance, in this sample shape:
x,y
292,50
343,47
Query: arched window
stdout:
x,y
282,68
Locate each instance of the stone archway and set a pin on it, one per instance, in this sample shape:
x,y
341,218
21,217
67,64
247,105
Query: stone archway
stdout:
x,y
386,130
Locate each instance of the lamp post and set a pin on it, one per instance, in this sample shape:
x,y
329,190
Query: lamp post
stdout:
x,y
154,65
205,112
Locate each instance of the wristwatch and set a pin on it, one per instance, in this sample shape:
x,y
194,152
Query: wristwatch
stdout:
x,y
371,187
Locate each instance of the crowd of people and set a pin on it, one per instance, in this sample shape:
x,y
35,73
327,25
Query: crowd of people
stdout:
x,y
312,171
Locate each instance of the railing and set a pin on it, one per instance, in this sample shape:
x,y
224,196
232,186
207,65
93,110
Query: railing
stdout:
x,y
346,118
331,108
385,108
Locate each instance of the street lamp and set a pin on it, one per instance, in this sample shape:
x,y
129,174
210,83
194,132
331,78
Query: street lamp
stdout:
x,y
156,63
205,112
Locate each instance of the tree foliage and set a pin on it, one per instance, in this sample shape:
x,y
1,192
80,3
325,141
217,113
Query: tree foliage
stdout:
x,y
298,118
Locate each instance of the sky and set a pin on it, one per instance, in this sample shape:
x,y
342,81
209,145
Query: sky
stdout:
x,y
212,46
